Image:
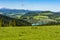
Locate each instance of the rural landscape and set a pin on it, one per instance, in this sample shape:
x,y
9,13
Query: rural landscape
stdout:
x,y
14,17
29,20
29,25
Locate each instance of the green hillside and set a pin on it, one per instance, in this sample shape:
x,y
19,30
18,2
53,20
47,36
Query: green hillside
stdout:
x,y
44,17
30,33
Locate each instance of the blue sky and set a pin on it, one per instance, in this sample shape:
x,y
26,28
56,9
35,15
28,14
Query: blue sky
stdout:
x,y
53,5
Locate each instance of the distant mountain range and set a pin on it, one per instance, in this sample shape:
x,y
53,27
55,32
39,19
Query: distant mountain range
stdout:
x,y
5,10
14,12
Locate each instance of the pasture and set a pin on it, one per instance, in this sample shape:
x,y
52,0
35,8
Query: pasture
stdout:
x,y
30,33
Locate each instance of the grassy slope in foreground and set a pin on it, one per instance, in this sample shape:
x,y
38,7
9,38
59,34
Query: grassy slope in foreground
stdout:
x,y
30,33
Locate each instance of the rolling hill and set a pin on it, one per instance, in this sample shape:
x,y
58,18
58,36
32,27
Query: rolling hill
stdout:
x,y
42,17
35,18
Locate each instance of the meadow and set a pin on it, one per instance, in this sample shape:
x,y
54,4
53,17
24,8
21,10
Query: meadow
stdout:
x,y
30,33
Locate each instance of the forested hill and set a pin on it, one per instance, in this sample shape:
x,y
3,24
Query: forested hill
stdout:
x,y
8,21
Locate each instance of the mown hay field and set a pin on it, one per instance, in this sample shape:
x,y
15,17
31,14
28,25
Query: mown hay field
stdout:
x,y
30,33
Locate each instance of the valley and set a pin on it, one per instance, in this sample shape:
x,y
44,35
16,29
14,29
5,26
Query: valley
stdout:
x,y
31,18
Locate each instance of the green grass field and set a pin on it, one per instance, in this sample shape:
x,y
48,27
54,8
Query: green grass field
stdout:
x,y
30,33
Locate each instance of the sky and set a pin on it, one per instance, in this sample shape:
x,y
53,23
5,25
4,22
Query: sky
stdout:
x,y
52,5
